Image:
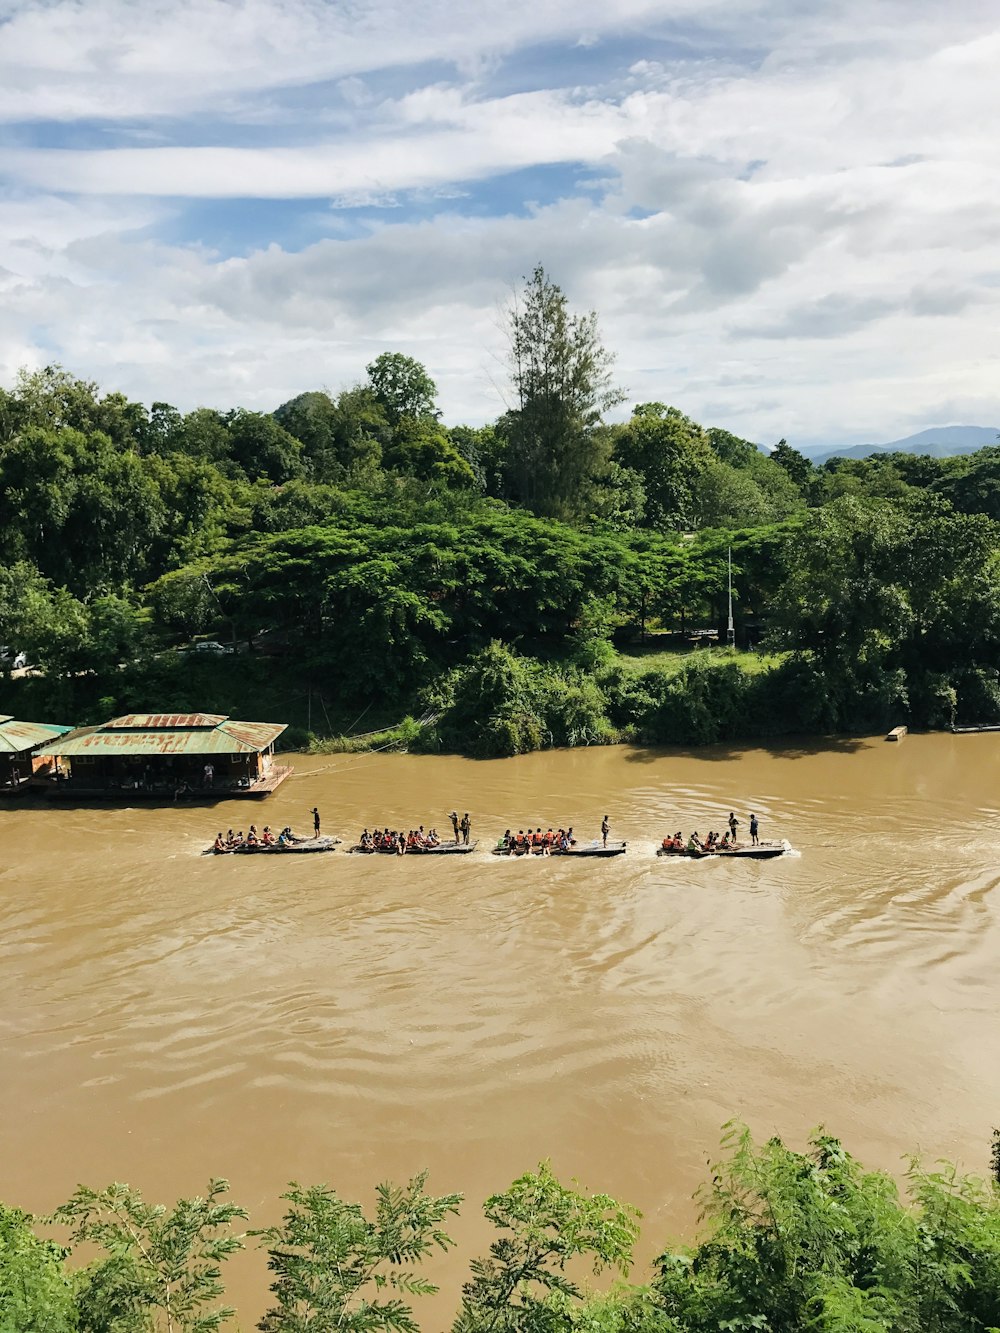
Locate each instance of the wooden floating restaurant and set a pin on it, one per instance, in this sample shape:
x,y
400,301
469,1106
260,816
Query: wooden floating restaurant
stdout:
x,y
20,758
184,756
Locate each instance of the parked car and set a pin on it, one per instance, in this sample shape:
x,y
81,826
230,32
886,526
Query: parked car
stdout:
x,y
11,658
210,646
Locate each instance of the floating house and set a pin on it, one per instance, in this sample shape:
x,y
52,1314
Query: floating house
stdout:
x,y
20,758
181,756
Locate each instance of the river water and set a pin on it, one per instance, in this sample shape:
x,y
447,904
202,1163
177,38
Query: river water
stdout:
x,y
166,1016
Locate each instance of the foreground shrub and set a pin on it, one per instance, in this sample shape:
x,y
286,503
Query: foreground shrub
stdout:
x,y
35,1291
795,1242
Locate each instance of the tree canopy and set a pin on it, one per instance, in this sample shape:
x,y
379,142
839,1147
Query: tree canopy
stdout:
x,y
427,565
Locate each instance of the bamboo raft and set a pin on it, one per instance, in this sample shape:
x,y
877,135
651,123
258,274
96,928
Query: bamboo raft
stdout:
x,y
591,849
443,849
274,849
762,851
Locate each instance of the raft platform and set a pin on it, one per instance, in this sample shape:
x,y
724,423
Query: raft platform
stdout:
x,y
77,789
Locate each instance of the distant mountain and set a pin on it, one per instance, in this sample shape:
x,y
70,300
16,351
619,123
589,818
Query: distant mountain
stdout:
x,y
938,441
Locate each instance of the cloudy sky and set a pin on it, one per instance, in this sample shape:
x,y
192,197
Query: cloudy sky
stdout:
x,y
784,213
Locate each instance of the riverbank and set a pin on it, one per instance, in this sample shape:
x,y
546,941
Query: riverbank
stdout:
x,y
500,702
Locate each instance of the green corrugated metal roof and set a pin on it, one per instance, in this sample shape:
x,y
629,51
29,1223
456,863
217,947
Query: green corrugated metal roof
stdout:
x,y
16,737
168,735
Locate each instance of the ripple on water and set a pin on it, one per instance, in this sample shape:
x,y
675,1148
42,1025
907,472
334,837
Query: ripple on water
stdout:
x,y
609,1012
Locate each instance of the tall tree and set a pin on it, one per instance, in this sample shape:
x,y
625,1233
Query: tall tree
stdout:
x,y
262,446
798,467
52,398
78,506
671,453
402,387
421,448
562,385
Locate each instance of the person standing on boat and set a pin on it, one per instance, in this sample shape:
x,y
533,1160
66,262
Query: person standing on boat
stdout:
x,y
315,814
454,824
466,827
734,824
754,831
605,830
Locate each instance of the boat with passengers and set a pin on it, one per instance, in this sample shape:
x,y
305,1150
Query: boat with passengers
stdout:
x,y
415,842
554,842
697,848
266,843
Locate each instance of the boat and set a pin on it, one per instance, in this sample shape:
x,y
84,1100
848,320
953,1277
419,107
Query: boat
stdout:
x,y
587,849
761,851
277,849
442,849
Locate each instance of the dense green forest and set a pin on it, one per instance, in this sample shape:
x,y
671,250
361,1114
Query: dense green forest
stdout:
x,y
792,1241
530,582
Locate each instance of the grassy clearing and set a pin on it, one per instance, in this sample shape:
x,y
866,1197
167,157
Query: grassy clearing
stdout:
x,y
639,658
399,737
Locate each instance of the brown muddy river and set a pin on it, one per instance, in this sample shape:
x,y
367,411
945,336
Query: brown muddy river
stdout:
x,y
166,1016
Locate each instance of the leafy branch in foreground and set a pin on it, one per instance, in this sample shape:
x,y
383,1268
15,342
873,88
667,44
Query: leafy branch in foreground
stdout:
x,y
156,1260
331,1261
522,1285
812,1241
35,1293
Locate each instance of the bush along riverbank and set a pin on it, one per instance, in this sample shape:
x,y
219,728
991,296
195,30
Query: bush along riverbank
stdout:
x,y
504,704
793,1241
500,702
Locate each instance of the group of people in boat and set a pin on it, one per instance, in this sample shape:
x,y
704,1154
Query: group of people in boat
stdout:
x,y
516,844
715,842
695,843
394,840
265,838
536,840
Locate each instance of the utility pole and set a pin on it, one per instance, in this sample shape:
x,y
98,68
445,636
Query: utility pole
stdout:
x,y
730,628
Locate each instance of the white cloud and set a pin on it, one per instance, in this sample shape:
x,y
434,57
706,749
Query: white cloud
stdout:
x,y
429,140
69,58
802,244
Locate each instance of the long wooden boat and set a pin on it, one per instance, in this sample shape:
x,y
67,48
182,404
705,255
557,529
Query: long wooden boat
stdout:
x,y
276,849
762,851
442,849
586,849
